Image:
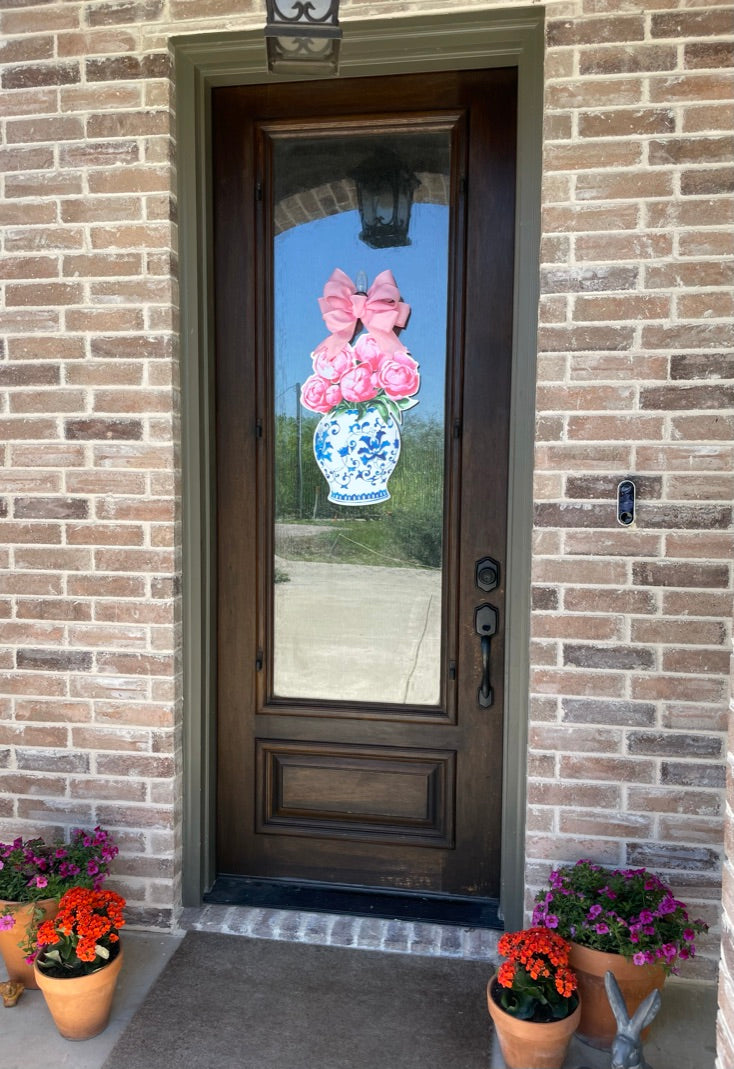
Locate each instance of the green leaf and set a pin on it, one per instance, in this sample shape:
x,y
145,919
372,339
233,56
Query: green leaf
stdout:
x,y
383,407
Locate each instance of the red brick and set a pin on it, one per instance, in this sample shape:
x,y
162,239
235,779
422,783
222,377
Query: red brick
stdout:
x,y
692,24
626,122
106,586
54,128
668,800
623,825
684,88
30,74
601,308
715,603
680,150
622,543
678,688
603,428
606,247
697,660
104,534
569,681
699,55
590,31
628,59
592,155
99,154
610,769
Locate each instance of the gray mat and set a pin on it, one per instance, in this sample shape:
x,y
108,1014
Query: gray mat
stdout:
x,y
227,1001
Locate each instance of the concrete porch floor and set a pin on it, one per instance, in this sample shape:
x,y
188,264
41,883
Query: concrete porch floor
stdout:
x,y
683,1035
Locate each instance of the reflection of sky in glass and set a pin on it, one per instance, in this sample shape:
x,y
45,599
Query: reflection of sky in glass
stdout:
x,y
306,255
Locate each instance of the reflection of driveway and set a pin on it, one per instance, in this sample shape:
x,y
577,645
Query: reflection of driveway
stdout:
x,y
358,633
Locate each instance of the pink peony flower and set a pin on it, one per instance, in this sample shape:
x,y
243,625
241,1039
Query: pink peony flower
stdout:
x,y
333,395
398,376
332,366
368,352
313,394
358,384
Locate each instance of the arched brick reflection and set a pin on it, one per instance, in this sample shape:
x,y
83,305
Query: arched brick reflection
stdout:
x,y
341,196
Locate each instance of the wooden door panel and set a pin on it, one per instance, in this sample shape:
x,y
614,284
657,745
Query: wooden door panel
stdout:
x,y
360,793
350,790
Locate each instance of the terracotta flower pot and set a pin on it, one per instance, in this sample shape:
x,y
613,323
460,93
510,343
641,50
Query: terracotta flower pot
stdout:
x,y
14,958
598,1026
531,1044
80,1005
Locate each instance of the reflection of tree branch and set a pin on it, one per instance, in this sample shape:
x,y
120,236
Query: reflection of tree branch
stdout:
x,y
397,560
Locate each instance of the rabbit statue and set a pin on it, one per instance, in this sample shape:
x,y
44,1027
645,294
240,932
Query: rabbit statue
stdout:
x,y
627,1044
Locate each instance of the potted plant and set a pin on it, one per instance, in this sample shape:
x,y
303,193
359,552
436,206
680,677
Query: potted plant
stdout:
x,y
33,876
532,999
626,921
79,960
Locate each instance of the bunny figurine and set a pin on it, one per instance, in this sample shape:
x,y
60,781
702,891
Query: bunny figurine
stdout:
x,y
627,1044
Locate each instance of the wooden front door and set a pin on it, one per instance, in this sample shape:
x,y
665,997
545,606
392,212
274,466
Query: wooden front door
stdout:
x,y
360,616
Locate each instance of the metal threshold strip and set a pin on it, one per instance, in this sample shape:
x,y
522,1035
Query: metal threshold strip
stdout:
x,y
355,901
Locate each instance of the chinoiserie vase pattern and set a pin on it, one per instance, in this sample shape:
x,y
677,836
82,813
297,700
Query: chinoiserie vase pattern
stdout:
x,y
357,454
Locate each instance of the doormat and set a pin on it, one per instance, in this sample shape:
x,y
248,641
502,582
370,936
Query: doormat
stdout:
x,y
230,1002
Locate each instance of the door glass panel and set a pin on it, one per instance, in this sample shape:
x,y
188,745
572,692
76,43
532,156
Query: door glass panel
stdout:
x,y
360,221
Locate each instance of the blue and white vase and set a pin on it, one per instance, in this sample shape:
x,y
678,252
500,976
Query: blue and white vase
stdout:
x,y
357,455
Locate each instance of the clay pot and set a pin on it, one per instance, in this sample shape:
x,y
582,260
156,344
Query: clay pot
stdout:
x,y
598,1026
531,1044
14,958
80,1005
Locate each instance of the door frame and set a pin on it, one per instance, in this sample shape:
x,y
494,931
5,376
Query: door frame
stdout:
x,y
463,41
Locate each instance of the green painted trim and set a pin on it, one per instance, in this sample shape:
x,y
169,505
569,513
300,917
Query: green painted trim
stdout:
x,y
462,41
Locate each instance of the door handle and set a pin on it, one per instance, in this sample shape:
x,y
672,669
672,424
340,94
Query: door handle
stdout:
x,y
485,625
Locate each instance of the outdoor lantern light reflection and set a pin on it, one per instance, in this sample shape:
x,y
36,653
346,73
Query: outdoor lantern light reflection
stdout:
x,y
303,36
385,187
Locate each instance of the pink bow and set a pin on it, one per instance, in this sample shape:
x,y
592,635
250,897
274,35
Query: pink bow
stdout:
x,y
380,310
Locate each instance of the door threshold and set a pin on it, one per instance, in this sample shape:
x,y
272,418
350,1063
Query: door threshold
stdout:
x,y
310,897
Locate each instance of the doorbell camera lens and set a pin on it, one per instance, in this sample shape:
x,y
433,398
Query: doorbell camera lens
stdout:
x,y
626,502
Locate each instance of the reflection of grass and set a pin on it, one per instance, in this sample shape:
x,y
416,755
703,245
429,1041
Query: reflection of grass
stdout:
x,y
374,541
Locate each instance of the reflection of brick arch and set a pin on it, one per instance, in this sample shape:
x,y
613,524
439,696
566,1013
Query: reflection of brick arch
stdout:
x,y
341,196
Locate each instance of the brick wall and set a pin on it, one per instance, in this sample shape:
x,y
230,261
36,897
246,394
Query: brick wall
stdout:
x,y
631,626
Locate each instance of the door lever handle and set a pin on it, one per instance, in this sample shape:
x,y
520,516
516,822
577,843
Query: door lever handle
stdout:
x,y
485,625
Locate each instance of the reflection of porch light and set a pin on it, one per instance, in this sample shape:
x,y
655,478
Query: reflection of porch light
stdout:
x,y
303,36
385,189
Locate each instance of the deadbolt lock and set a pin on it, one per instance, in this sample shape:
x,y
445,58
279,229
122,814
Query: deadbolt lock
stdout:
x,y
487,573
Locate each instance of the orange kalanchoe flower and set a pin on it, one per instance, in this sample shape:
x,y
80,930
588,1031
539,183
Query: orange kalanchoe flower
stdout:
x,y
535,982
82,936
